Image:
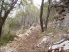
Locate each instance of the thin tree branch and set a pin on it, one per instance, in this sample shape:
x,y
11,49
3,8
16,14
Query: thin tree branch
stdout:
x,y
8,11
1,9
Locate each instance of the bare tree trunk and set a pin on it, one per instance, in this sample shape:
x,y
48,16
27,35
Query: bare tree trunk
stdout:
x,y
48,13
41,13
21,21
0,30
1,25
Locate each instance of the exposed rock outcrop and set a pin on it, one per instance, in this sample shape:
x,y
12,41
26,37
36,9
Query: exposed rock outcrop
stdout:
x,y
62,16
62,45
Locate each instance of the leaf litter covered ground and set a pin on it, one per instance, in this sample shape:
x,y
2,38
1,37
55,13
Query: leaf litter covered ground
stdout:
x,y
28,41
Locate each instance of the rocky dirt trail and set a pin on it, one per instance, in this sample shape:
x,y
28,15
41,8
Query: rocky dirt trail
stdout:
x,y
26,43
29,44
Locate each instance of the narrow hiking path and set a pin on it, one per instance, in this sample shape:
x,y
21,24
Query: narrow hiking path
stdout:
x,y
26,43
29,44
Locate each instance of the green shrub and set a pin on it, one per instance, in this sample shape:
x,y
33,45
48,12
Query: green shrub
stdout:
x,y
13,24
6,38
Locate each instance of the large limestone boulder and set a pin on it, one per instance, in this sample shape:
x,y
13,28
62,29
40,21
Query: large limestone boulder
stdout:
x,y
64,24
62,16
60,47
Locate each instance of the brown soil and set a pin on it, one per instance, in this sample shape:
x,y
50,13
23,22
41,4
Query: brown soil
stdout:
x,y
29,44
